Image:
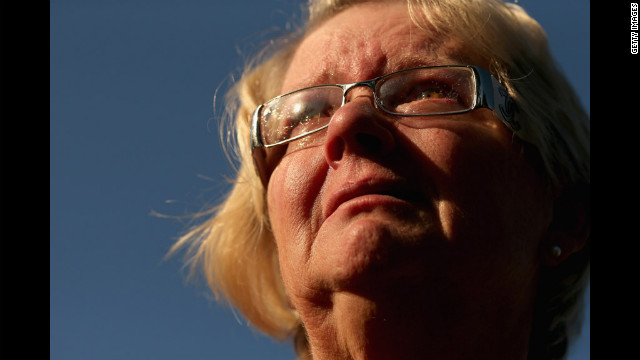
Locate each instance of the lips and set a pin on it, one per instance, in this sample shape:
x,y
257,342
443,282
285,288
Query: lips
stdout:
x,y
369,186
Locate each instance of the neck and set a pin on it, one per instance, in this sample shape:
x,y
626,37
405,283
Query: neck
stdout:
x,y
356,327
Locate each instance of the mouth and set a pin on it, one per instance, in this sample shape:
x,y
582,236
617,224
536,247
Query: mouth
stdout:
x,y
371,192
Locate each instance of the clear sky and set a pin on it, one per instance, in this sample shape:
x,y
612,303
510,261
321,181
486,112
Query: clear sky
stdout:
x,y
133,131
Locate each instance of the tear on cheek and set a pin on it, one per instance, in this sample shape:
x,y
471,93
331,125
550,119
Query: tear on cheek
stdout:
x,y
449,214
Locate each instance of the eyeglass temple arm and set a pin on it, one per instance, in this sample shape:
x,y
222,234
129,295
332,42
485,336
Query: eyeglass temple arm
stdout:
x,y
256,141
498,99
257,147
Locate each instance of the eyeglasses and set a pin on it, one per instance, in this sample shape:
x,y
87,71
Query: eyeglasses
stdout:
x,y
410,93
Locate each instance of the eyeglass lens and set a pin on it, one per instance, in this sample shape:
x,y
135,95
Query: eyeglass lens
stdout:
x,y
415,92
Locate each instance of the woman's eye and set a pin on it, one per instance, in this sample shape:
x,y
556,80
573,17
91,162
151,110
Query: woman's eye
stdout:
x,y
310,111
423,97
430,92
304,117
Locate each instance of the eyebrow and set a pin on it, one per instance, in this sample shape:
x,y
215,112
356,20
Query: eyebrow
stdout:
x,y
327,75
411,61
312,79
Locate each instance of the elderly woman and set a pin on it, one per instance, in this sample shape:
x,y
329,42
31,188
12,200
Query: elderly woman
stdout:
x,y
413,183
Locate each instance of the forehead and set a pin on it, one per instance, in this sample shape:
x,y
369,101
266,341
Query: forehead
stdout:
x,y
365,41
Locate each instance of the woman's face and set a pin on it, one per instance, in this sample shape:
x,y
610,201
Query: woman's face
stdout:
x,y
451,208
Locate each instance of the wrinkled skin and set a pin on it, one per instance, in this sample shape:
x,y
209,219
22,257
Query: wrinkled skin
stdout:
x,y
398,241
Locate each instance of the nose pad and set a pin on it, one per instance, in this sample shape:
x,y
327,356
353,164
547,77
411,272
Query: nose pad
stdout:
x,y
358,128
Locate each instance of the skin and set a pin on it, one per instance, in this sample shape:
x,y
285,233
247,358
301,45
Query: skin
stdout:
x,y
398,240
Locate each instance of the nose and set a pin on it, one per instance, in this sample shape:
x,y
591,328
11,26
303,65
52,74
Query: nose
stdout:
x,y
358,128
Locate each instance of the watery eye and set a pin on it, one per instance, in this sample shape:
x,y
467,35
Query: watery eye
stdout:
x,y
311,110
424,96
305,115
432,91
430,94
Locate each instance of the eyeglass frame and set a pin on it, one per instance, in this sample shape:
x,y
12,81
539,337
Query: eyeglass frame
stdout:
x,y
489,94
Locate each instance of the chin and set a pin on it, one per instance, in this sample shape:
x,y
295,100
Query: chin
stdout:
x,y
373,252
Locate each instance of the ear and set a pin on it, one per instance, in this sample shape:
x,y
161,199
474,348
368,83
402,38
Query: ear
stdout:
x,y
571,225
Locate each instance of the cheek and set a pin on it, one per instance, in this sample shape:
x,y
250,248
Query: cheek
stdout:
x,y
491,205
487,192
293,199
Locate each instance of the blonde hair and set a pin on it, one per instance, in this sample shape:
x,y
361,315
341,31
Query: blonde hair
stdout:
x,y
234,246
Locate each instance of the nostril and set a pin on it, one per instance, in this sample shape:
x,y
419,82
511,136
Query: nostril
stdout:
x,y
358,129
336,149
371,142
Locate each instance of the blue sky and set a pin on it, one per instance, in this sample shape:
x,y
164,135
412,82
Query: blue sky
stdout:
x,y
133,131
